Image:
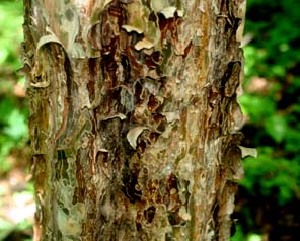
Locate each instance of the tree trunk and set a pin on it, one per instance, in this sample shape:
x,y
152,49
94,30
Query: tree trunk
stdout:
x,y
133,117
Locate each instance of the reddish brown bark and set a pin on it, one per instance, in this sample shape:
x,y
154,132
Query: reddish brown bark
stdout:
x,y
134,117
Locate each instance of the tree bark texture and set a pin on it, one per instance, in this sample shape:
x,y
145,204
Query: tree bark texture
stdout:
x,y
133,117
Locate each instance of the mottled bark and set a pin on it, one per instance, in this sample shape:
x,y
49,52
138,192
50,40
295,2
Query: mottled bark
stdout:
x,y
133,117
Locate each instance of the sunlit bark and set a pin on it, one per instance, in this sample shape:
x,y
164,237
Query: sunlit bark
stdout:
x,y
134,117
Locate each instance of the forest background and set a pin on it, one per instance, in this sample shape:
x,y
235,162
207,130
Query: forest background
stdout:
x,y
267,203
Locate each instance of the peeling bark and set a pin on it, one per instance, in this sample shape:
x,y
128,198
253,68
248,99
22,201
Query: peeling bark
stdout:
x,y
133,117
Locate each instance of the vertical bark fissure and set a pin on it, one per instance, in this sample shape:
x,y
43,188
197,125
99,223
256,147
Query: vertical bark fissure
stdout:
x,y
133,117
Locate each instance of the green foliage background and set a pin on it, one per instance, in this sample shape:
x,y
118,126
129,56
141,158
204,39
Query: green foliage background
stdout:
x,y
13,121
13,111
267,202
269,193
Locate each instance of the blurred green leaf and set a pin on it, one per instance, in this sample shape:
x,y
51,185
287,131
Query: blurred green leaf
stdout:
x,y
292,140
13,117
257,107
17,127
10,32
268,172
5,228
276,127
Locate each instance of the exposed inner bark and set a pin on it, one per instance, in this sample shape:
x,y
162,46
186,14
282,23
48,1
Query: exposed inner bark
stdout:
x,y
134,118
